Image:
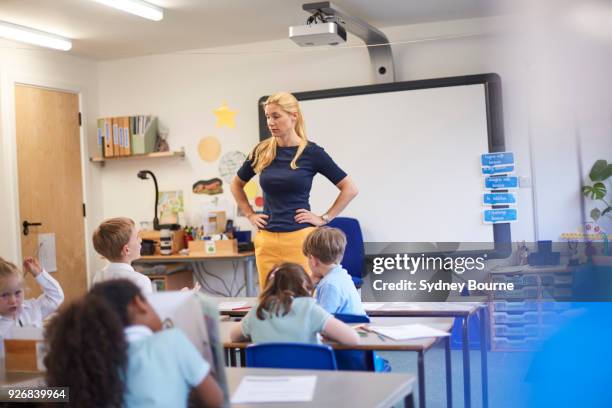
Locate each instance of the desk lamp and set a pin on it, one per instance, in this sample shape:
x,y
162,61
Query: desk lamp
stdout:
x,y
144,174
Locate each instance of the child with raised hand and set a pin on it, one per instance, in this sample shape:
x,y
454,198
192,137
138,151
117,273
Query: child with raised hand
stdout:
x,y
109,349
117,240
14,310
286,312
324,247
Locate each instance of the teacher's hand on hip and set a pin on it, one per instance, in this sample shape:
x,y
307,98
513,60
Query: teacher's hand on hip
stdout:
x,y
306,217
258,220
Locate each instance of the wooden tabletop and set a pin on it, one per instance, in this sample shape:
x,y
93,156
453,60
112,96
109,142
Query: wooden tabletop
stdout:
x,y
371,341
14,378
194,256
386,309
357,389
422,309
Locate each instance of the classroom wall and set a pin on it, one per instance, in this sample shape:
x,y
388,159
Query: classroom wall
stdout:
x,y
183,89
555,85
539,110
50,69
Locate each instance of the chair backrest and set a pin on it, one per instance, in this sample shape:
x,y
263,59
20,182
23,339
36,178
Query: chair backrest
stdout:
x,y
291,355
351,318
354,255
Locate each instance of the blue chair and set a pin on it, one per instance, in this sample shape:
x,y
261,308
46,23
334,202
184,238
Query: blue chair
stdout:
x,y
357,360
350,318
354,255
291,355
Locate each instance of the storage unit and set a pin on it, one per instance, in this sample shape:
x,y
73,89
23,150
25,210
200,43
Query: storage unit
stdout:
x,y
173,281
522,318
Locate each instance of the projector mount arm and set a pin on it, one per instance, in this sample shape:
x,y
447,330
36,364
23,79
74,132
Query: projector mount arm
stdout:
x,y
379,49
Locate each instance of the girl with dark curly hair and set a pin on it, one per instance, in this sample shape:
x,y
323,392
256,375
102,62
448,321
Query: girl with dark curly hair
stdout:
x,y
108,348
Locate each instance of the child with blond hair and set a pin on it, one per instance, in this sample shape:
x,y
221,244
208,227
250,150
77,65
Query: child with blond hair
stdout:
x,y
15,310
117,240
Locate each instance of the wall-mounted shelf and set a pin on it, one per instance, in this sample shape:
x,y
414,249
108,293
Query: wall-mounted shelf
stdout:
x,y
103,160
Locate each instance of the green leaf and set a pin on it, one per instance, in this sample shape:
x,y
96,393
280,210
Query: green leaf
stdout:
x,y
595,214
599,171
607,173
607,210
595,192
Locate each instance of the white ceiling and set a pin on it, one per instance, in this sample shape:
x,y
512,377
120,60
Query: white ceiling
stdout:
x,y
101,32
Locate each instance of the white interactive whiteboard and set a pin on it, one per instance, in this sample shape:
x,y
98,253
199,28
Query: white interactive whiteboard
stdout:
x,y
413,149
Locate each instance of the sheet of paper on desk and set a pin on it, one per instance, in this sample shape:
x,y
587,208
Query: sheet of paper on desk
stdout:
x,y
408,332
231,305
254,388
372,306
439,306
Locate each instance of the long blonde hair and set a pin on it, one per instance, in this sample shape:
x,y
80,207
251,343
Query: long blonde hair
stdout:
x,y
265,151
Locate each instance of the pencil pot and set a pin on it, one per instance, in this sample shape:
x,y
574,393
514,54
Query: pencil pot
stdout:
x,y
165,242
147,247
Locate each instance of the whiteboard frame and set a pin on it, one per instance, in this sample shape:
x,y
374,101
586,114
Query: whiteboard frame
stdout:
x,y
495,128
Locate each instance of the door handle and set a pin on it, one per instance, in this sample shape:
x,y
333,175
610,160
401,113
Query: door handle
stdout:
x,y
27,225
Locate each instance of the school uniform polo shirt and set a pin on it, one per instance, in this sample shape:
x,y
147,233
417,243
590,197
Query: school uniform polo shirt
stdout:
x,y
336,293
286,190
301,325
162,369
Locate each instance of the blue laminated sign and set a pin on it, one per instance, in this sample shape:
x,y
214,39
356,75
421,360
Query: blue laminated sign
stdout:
x,y
501,182
497,216
497,159
498,169
499,199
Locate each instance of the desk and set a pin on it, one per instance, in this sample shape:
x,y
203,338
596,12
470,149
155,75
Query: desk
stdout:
x,y
333,389
455,309
197,262
372,342
458,309
338,389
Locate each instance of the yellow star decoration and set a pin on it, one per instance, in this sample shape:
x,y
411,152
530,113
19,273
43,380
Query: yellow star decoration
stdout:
x,y
225,116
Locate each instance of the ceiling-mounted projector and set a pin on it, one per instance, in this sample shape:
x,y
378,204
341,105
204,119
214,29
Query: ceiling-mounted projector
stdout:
x,y
310,35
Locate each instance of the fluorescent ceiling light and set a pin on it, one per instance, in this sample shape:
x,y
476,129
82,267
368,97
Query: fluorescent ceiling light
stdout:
x,y
32,36
137,7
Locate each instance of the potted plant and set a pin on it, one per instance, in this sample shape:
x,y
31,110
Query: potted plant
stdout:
x,y
598,192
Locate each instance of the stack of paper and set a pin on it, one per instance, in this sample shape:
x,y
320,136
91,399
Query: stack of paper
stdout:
x,y
254,388
231,305
408,332
372,306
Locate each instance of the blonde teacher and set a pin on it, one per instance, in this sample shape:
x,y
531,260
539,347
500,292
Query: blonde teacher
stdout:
x,y
286,164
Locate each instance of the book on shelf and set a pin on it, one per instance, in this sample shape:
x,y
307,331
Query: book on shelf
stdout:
x,y
127,135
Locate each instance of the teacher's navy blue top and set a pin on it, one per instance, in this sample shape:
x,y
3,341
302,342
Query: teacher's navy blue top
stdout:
x,y
287,190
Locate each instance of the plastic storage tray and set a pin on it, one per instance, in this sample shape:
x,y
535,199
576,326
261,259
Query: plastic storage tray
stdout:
x,y
519,280
516,306
523,330
519,343
527,292
512,318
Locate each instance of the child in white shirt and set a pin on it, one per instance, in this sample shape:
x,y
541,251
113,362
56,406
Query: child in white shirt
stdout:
x,y
117,240
14,310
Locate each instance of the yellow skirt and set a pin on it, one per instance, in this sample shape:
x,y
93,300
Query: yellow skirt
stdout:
x,y
272,248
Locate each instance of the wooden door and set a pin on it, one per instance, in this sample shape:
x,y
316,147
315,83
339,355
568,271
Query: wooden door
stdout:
x,y
50,188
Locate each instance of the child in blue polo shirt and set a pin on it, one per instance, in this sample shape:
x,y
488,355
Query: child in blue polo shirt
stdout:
x,y
336,292
109,349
